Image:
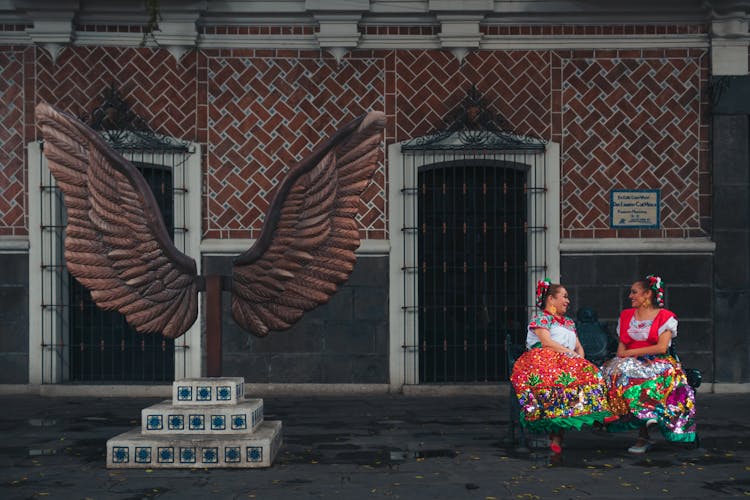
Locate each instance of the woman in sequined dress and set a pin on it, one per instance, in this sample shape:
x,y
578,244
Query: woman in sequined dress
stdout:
x,y
556,387
646,387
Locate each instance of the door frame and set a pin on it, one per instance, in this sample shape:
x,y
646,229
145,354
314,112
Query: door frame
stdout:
x,y
403,355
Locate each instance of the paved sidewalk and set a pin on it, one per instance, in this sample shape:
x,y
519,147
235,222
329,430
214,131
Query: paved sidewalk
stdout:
x,y
354,447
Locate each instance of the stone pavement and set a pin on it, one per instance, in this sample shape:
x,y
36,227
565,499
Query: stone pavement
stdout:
x,y
374,446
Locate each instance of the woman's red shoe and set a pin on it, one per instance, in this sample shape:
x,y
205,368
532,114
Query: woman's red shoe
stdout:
x,y
555,446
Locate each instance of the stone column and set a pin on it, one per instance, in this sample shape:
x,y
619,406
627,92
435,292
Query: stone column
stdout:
x,y
730,92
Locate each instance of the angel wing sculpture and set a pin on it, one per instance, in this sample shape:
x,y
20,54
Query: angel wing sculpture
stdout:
x,y
118,247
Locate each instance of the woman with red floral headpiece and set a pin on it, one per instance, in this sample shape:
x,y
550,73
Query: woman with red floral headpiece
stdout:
x,y
645,385
556,387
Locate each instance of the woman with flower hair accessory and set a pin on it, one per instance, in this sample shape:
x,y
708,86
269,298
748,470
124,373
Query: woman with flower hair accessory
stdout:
x,y
645,385
557,388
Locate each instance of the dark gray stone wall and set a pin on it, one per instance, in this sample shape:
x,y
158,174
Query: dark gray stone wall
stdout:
x,y
731,231
343,341
602,282
14,318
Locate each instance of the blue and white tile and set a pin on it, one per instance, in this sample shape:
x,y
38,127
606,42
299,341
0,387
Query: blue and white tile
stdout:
x,y
211,390
167,418
136,450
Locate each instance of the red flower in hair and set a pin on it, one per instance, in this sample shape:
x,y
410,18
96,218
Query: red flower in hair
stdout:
x,y
656,285
541,289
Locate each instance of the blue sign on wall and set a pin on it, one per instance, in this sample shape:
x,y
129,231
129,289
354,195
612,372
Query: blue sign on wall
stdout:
x,y
634,208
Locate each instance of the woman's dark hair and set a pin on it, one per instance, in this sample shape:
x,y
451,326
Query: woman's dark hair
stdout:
x,y
551,292
646,285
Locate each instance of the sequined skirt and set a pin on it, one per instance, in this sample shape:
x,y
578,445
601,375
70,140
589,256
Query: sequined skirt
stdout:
x,y
651,387
556,391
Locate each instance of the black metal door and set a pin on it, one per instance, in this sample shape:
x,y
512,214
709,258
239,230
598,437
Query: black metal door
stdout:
x,y
103,347
472,272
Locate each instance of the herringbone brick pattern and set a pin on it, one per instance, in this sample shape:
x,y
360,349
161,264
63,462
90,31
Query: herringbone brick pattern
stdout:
x,y
630,124
159,89
12,168
516,85
266,113
626,120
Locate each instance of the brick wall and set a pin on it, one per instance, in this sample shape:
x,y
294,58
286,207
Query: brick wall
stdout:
x,y
625,119
12,158
266,110
634,120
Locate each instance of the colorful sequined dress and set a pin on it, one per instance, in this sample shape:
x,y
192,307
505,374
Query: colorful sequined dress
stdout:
x,y
649,387
557,391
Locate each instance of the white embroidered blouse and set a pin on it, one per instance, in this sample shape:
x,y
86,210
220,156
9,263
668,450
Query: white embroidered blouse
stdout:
x,y
639,329
564,334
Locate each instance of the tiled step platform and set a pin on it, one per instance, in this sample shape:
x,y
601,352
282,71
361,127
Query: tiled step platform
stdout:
x,y
132,449
201,391
166,418
208,423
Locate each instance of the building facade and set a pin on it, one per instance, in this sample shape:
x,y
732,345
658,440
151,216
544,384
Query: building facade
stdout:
x,y
590,142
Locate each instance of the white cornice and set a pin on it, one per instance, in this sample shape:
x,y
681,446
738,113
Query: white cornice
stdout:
x,y
14,38
636,245
109,39
232,247
340,25
300,42
14,244
595,42
337,33
269,20
248,11
461,6
728,7
235,7
375,42
337,5
53,28
420,42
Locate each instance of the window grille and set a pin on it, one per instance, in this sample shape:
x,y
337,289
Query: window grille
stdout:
x,y
80,342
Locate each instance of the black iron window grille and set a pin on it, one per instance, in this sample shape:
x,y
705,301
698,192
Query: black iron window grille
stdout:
x,y
80,342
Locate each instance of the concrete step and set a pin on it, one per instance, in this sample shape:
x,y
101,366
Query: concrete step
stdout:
x,y
135,450
168,418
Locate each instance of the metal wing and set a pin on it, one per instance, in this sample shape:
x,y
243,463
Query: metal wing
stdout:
x,y
116,244
307,244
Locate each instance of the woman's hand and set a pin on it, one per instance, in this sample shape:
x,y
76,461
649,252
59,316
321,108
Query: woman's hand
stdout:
x,y
579,349
621,350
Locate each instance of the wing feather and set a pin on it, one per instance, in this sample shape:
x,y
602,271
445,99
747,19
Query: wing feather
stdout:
x,y
271,320
244,315
188,302
306,248
117,245
294,301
